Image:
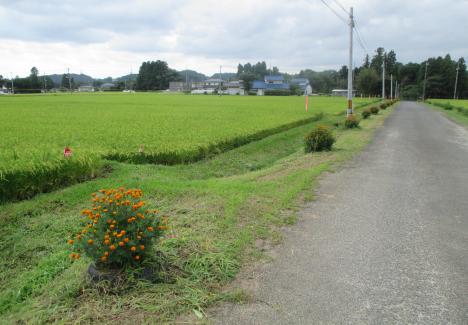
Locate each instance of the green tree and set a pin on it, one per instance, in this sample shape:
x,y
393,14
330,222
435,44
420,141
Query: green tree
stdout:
x,y
367,81
155,75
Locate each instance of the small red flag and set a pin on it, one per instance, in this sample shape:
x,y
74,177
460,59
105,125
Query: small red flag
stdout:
x,y
67,152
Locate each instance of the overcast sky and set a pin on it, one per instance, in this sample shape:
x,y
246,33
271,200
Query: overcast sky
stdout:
x,y
112,37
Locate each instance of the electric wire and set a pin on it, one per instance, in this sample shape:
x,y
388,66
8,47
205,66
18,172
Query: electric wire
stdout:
x,y
341,6
334,12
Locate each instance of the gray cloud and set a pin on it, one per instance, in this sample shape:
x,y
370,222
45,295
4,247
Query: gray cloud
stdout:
x,y
290,34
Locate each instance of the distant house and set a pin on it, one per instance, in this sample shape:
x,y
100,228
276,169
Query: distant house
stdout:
x,y
342,92
86,89
234,88
303,84
207,87
213,85
270,83
178,86
107,86
4,91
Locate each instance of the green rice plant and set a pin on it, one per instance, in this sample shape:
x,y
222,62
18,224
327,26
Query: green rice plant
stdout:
x,y
24,182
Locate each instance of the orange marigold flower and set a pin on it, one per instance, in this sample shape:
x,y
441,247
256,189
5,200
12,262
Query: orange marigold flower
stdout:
x,y
90,241
112,247
111,226
123,232
93,194
133,248
70,241
106,253
121,243
72,255
104,258
137,257
162,227
150,228
126,240
77,256
106,210
106,242
78,237
142,247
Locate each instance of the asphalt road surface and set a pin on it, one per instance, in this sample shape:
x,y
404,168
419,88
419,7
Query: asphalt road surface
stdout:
x,y
386,242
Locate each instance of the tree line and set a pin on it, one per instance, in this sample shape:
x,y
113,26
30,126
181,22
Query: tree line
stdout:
x,y
440,81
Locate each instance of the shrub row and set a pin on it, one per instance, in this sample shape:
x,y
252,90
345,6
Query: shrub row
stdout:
x,y
190,156
42,177
374,109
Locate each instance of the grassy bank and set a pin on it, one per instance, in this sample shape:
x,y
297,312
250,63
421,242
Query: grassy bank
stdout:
x,y
218,208
454,109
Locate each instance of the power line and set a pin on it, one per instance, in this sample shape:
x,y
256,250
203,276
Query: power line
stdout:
x,y
361,41
334,12
341,6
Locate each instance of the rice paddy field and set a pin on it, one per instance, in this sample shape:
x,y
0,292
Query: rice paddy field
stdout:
x,y
138,128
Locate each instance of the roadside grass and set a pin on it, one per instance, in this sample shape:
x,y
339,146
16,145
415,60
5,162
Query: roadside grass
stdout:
x,y
454,109
218,208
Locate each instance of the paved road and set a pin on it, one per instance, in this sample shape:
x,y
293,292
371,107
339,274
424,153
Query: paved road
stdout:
x,y
385,243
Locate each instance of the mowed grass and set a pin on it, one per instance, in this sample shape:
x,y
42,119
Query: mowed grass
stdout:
x,y
218,208
455,109
139,128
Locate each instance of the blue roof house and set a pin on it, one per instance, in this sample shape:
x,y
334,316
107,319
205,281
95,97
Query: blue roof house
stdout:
x,y
303,84
269,83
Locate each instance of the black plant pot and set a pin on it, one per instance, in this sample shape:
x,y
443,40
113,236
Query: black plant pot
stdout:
x,y
112,275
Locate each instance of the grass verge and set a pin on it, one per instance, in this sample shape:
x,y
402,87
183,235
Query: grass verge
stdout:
x,y
452,109
218,208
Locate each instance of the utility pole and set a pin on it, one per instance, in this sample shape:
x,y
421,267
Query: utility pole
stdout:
x,y
350,64
425,79
456,81
391,86
12,85
69,80
383,77
45,83
220,80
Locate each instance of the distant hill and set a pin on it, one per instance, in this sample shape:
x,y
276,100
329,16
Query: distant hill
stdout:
x,y
191,75
127,77
225,76
78,78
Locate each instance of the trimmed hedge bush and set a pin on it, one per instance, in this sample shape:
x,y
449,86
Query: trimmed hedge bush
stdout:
x,y
319,139
351,122
365,114
374,110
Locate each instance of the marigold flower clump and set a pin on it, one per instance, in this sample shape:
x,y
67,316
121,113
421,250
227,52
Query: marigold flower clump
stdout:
x,y
118,230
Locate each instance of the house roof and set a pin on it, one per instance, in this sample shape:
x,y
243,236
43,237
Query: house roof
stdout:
x,y
258,84
274,78
214,80
300,81
107,84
